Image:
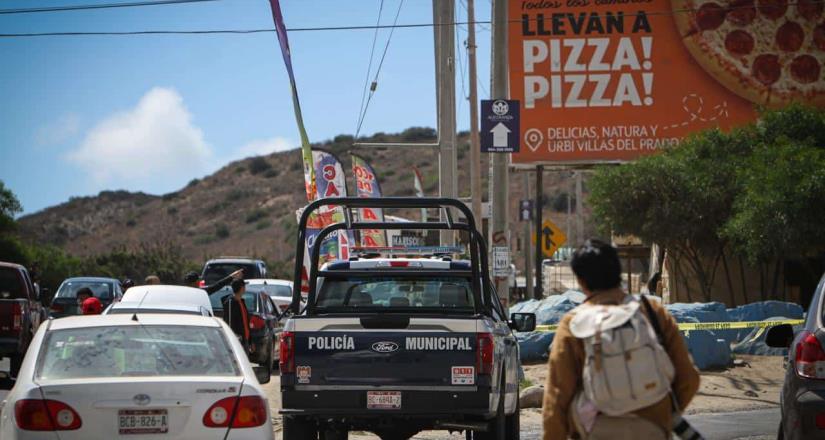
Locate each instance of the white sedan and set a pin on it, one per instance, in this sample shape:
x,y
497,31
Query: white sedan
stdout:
x,y
158,377
279,291
163,299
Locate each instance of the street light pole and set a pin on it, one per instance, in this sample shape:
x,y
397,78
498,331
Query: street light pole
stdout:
x,y
475,148
444,32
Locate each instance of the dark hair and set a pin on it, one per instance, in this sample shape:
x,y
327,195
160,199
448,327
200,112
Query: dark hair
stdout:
x,y
653,282
237,285
85,291
191,277
597,265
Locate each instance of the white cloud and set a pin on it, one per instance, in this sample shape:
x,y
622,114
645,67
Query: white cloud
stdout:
x,y
261,147
58,131
152,147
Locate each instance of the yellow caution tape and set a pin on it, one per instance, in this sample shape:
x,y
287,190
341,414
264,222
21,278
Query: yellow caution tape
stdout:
x,y
690,326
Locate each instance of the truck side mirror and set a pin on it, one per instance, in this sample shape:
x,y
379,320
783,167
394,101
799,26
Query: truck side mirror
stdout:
x,y
779,336
523,322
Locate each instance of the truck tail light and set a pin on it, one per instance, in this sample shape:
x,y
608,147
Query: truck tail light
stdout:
x,y
484,353
287,352
201,284
242,412
17,312
810,358
256,322
45,415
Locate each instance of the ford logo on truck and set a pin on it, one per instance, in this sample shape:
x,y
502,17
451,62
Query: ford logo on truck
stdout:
x,y
384,347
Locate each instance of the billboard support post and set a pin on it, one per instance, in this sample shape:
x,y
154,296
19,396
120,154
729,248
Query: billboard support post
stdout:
x,y
538,290
528,254
499,235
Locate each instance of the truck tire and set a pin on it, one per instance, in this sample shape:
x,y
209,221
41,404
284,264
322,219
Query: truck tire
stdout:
x,y
299,428
15,362
498,426
513,423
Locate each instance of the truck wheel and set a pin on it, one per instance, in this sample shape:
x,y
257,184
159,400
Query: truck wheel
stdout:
x,y
498,426
299,428
15,362
513,423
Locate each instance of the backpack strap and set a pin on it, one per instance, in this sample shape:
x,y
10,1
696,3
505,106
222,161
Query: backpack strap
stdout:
x,y
654,321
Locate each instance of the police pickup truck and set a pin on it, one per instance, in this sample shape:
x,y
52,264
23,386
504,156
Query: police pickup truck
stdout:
x,y
396,346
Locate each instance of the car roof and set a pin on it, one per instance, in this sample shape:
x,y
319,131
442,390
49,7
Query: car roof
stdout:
x,y
233,260
157,306
11,265
165,294
269,281
118,320
92,279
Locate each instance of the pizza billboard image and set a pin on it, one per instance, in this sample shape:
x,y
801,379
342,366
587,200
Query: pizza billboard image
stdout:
x,y
612,80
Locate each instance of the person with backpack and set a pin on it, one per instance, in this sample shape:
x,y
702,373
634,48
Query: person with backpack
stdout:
x,y
619,367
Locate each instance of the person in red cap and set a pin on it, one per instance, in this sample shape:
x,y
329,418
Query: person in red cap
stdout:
x,y
91,306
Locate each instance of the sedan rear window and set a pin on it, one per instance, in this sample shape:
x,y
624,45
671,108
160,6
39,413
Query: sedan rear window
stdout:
x,y
271,289
397,293
11,284
147,351
69,289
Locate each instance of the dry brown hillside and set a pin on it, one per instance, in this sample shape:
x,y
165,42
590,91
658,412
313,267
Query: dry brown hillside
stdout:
x,y
248,206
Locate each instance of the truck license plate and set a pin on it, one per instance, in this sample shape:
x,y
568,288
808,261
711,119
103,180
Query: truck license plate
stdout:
x,y
142,421
383,399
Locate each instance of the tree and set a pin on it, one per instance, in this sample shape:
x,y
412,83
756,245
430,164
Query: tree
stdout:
x,y
9,207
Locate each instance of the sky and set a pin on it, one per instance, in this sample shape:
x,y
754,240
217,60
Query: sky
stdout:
x,y
82,114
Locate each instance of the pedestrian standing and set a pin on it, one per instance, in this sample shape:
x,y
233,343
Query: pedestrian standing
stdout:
x,y
192,279
619,368
235,313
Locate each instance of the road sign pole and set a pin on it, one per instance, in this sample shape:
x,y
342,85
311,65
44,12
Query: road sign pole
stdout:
x,y
499,235
538,291
528,255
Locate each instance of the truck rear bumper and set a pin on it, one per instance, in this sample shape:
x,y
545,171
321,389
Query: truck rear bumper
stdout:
x,y
9,346
352,404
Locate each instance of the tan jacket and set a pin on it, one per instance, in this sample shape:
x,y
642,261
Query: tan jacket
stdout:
x,y
567,362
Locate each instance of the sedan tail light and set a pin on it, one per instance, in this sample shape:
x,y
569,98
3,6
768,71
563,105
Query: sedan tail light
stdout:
x,y
45,415
241,412
810,357
286,347
256,322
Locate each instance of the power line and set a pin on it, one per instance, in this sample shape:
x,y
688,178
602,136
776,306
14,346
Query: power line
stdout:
x,y
98,6
378,70
369,65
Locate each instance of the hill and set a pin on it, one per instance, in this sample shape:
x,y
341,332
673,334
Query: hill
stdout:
x,y
248,206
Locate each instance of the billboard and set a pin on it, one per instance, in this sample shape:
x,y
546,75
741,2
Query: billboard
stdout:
x,y
611,80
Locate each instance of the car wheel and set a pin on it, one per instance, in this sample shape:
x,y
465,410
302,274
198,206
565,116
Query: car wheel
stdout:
x,y
513,423
299,428
498,426
15,362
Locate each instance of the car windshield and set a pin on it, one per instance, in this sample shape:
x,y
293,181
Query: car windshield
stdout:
x,y
11,285
216,271
217,299
271,289
151,350
100,289
386,293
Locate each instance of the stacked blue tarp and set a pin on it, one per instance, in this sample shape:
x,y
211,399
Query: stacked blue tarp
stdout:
x,y
535,346
754,342
761,311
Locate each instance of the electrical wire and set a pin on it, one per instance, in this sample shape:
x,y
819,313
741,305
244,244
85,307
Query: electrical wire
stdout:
x,y
98,6
369,65
378,70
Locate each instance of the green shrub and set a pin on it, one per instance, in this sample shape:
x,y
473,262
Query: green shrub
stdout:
x,y
258,165
221,230
255,215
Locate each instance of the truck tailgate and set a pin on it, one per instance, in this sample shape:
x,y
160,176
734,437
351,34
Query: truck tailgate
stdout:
x,y
11,317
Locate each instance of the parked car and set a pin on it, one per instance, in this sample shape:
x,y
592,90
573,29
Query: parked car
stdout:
x,y
103,377
279,291
216,269
264,324
64,303
802,400
20,313
163,299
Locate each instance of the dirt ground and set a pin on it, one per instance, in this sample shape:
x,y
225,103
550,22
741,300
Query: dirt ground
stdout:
x,y
754,383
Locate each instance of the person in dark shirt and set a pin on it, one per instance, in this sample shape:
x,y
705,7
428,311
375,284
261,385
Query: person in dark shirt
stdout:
x,y
235,313
192,278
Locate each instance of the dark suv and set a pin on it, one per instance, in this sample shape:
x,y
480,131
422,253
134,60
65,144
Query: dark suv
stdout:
x,y
20,313
218,268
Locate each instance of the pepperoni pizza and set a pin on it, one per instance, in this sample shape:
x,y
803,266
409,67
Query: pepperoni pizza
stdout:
x,y
771,52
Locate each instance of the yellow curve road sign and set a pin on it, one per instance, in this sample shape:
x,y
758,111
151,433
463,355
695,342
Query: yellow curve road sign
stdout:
x,y
551,238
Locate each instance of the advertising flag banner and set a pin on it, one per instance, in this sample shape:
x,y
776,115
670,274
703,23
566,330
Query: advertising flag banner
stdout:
x,y
306,149
366,184
331,182
610,81
419,190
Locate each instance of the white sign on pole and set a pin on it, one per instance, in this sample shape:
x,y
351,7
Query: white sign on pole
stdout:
x,y
501,261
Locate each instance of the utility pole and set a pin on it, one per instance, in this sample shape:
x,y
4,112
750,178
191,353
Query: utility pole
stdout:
x,y
475,148
499,191
528,255
538,292
444,33
579,218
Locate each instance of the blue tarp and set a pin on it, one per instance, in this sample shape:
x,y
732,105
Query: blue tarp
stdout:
x,y
761,311
754,342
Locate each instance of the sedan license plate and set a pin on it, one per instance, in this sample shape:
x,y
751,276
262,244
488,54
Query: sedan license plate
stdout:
x,y
143,421
383,399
